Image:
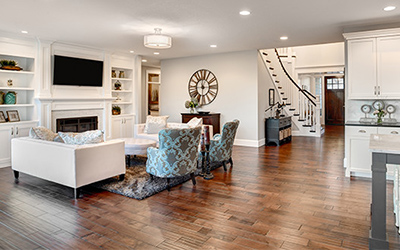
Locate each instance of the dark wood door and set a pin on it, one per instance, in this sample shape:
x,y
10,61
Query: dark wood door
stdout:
x,y
334,100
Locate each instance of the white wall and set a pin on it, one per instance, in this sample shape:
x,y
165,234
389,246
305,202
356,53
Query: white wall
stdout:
x,y
237,93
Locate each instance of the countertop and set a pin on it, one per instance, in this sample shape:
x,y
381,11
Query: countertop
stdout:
x,y
357,123
389,144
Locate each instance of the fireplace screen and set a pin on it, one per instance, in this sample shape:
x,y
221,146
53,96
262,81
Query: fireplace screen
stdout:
x,y
78,124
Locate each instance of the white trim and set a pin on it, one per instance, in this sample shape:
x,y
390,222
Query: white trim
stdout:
x,y
319,69
248,143
372,33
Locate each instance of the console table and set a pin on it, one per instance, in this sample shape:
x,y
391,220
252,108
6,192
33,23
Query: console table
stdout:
x,y
385,150
208,119
278,131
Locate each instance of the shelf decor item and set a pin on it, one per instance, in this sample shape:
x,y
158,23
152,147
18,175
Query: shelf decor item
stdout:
x,y
10,83
2,117
10,98
113,74
121,74
2,94
117,85
192,104
13,116
116,110
9,65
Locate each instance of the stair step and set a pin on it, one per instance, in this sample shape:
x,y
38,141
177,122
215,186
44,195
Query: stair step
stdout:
x,y
277,81
301,120
307,125
291,109
268,61
288,104
279,87
296,114
282,93
265,54
284,98
282,115
274,75
271,68
312,131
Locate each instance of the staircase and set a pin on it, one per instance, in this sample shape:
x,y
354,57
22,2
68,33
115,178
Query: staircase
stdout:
x,y
301,105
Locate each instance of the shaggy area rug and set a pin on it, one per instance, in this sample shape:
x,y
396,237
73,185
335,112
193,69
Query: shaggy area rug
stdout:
x,y
138,184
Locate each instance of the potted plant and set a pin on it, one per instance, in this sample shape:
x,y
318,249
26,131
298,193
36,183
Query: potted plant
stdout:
x,y
116,110
192,104
117,85
9,65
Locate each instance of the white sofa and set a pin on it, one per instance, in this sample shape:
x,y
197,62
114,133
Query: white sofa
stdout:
x,y
69,165
140,134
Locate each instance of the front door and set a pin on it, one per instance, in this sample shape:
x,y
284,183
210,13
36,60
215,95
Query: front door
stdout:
x,y
334,100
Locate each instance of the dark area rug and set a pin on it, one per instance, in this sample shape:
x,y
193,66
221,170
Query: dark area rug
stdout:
x,y
138,184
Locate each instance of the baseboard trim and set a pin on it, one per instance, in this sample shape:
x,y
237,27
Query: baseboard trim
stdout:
x,y
249,143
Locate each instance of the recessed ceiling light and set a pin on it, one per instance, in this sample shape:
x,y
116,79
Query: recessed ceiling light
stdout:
x,y
144,60
156,53
131,51
24,31
244,13
389,8
213,46
283,37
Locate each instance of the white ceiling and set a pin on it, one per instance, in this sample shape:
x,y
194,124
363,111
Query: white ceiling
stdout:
x,y
120,25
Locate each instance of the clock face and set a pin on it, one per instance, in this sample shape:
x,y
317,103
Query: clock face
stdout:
x,y
378,104
203,85
366,108
390,109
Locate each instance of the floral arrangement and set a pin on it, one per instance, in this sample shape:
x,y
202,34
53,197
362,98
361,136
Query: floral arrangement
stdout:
x,y
380,113
192,103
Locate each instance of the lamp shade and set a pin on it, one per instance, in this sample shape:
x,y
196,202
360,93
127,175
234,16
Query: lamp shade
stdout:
x,y
157,40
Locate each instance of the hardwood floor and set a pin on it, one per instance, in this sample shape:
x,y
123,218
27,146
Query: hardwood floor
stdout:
x,y
292,197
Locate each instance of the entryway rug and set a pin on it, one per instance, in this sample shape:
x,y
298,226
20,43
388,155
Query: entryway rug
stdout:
x,y
137,183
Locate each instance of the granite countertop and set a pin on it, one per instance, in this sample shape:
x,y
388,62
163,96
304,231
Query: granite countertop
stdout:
x,y
384,144
357,123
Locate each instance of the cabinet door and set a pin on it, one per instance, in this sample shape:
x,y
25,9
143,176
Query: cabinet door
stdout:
x,y
116,127
128,127
6,133
388,51
361,68
22,130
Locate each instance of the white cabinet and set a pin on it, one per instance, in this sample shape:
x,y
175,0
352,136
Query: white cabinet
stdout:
x,y
358,156
7,132
372,67
122,126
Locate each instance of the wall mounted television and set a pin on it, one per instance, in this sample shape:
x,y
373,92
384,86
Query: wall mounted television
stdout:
x,y
77,72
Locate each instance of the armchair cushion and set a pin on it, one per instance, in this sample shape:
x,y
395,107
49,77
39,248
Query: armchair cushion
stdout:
x,y
155,123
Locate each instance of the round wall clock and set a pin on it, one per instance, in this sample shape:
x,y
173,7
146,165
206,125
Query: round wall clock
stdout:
x,y
203,85
378,104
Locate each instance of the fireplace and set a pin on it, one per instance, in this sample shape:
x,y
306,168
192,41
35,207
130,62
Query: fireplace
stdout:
x,y
77,124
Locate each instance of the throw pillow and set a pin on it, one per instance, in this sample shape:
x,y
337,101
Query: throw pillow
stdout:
x,y
42,133
194,122
155,124
88,137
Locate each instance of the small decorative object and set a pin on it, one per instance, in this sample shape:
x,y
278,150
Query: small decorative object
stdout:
x,y
202,144
380,113
113,74
9,65
116,110
206,135
366,109
191,104
117,85
118,98
204,84
121,74
271,97
390,109
10,83
10,98
2,117
2,94
378,104
13,116
279,109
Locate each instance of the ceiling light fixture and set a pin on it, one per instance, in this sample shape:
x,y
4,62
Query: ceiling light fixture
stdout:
x,y
131,51
156,53
144,60
389,8
283,37
244,13
157,41
24,32
213,46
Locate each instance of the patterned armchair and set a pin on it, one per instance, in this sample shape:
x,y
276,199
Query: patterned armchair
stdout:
x,y
221,144
176,155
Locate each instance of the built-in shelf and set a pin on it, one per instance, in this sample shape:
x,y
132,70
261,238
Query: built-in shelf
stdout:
x,y
121,79
16,72
122,103
15,105
17,123
121,91
122,115
17,88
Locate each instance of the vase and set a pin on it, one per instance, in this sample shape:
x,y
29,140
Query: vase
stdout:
x,y
379,121
191,110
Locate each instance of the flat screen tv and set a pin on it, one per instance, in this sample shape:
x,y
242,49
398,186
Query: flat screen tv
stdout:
x,y
77,72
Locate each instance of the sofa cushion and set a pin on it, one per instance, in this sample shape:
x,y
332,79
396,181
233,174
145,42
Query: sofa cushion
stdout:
x,y
194,122
42,133
155,123
88,137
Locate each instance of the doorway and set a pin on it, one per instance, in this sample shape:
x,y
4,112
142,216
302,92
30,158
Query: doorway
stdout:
x,y
334,100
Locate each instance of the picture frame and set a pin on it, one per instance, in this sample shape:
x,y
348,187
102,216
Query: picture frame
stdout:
x,y
271,95
13,116
2,117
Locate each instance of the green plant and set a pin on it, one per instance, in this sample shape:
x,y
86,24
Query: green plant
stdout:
x,y
8,63
380,113
192,103
116,108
